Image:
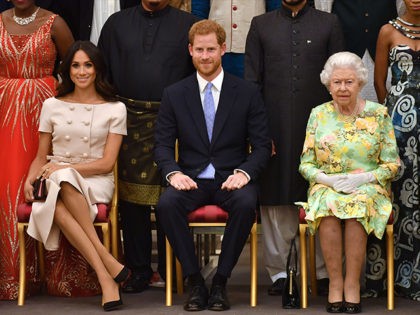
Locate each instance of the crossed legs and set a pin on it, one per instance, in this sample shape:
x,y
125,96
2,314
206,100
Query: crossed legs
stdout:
x,y
72,217
331,238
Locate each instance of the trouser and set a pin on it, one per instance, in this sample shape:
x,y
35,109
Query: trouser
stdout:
x,y
280,225
137,234
173,209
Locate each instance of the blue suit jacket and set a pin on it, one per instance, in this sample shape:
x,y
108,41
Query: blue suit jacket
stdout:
x,y
240,120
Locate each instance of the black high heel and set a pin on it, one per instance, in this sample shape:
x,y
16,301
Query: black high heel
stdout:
x,y
123,275
336,307
113,305
352,308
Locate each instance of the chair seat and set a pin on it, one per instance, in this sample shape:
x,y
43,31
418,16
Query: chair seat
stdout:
x,y
302,215
24,212
208,214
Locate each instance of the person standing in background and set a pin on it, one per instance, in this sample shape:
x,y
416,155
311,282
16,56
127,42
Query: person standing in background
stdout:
x,y
398,48
146,49
361,21
235,17
26,80
286,50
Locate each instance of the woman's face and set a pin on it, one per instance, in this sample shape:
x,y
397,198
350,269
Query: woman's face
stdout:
x,y
82,70
344,87
23,4
413,6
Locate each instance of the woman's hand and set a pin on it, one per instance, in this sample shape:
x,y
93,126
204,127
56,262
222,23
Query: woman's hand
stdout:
x,y
28,190
48,169
328,180
351,181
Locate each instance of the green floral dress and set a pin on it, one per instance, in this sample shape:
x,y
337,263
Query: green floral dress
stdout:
x,y
334,145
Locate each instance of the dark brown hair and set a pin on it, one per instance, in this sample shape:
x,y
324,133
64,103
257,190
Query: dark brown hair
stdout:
x,y
102,86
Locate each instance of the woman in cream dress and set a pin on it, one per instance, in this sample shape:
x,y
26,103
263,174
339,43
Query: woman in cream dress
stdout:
x,y
81,132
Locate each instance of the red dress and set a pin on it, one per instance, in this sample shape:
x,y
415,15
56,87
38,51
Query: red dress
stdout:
x,y
26,67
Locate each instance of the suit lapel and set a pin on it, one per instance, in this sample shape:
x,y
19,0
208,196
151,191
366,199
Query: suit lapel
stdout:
x,y
226,101
195,108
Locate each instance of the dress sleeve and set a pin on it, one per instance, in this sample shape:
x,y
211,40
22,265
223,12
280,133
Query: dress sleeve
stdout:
x,y
308,164
119,120
389,161
45,124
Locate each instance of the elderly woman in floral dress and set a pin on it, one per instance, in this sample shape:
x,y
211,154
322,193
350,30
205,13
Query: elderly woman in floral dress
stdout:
x,y
349,158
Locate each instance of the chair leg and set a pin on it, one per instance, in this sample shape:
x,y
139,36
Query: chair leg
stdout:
x,y
41,260
254,265
390,265
22,264
169,262
303,267
179,278
105,233
312,264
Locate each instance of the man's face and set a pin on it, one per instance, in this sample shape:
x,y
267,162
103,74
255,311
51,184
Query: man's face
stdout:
x,y
207,55
154,5
293,2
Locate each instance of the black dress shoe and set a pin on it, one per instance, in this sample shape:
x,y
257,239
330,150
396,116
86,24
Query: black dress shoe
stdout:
x,y
197,300
218,300
123,275
323,286
277,287
112,305
336,307
135,284
352,308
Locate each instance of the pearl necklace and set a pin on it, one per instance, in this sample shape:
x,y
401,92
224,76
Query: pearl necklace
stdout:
x,y
25,20
346,118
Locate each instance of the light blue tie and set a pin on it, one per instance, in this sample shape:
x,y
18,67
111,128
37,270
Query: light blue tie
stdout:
x,y
209,111
209,114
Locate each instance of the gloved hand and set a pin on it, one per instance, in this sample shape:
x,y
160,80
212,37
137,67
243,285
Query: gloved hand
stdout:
x,y
328,180
350,182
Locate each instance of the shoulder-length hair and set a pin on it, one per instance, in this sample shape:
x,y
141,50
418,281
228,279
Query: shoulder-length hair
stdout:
x,y
102,86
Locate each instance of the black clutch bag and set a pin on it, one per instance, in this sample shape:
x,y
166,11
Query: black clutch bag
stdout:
x,y
40,189
291,298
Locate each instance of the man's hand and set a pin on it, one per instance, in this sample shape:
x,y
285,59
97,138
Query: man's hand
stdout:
x,y
180,181
235,181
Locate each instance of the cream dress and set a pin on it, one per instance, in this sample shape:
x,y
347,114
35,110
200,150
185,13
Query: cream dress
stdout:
x,y
79,133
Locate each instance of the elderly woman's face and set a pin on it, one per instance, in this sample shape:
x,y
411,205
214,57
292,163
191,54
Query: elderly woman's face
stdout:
x,y
344,87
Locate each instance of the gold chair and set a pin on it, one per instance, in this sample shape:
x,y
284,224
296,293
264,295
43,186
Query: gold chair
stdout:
x,y
209,216
312,263
106,219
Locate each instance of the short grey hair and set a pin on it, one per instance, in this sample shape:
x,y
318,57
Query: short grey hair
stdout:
x,y
344,59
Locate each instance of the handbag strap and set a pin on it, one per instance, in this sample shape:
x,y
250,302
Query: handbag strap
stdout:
x,y
292,251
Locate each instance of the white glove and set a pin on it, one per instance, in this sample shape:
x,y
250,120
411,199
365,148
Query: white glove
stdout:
x,y
352,181
328,180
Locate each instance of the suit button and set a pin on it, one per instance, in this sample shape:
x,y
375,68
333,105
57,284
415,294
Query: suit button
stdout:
x,y
68,154
67,138
85,139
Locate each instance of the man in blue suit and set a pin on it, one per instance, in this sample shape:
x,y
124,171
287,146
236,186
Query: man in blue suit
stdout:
x,y
214,116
